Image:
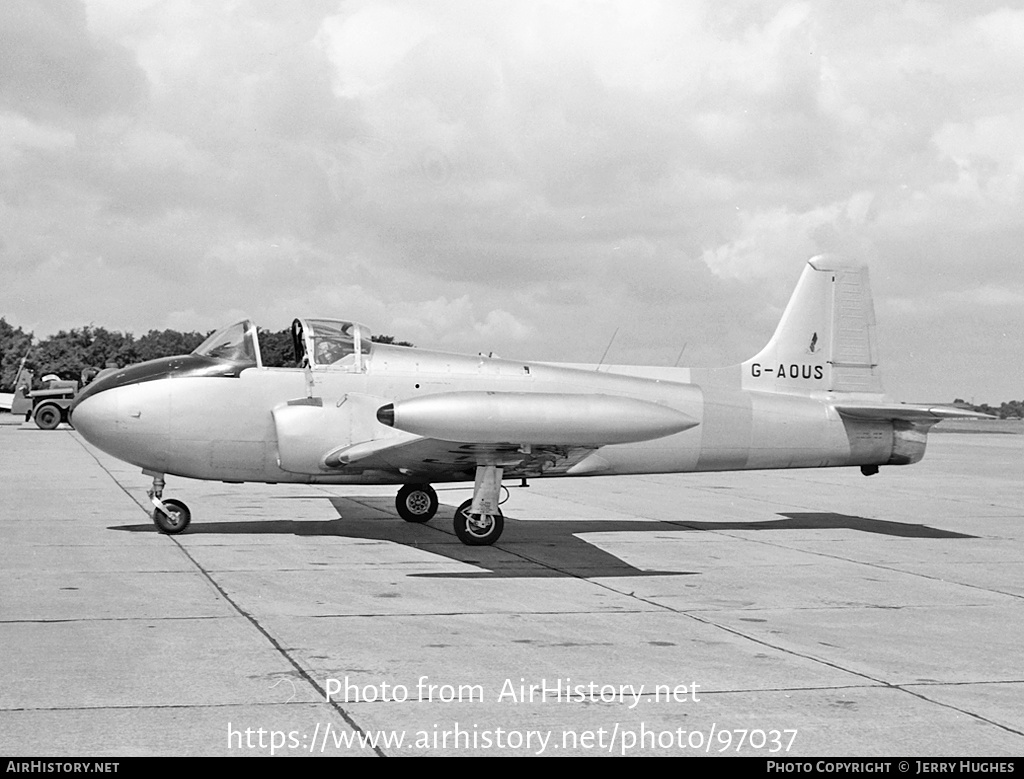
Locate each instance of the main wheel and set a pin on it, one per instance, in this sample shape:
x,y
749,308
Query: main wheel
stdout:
x,y
175,520
416,503
478,529
48,416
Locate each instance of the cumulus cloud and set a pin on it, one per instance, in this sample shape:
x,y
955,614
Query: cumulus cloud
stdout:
x,y
769,242
456,324
53,68
479,175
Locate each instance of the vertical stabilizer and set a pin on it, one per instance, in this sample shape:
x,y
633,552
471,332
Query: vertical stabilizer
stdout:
x,y
825,340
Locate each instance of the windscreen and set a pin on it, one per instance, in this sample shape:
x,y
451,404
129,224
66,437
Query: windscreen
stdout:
x,y
236,343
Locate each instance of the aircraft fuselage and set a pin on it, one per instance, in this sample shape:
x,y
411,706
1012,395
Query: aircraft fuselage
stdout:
x,y
223,427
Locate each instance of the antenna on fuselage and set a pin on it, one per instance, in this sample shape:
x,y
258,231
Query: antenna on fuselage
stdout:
x,y
609,346
681,354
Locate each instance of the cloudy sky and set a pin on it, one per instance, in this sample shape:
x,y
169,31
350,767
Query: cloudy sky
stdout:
x,y
522,177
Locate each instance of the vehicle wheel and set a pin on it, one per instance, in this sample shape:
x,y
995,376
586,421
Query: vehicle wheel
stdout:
x,y
477,529
416,503
48,416
175,520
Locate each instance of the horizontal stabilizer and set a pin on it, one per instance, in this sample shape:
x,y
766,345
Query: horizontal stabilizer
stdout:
x,y
908,412
534,418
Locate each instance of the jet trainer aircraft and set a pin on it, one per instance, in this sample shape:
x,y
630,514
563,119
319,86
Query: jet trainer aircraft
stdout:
x,y
360,412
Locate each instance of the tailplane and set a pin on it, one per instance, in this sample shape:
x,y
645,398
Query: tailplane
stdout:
x,y
825,339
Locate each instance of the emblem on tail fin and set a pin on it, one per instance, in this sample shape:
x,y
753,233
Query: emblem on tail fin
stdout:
x,y
814,344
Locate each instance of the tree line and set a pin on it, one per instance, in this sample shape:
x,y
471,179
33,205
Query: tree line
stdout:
x,y
70,352
1013,409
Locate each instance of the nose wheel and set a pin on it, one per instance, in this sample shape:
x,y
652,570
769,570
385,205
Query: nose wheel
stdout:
x,y
170,516
173,518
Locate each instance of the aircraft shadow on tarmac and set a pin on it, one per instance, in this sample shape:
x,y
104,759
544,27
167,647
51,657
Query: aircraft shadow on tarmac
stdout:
x,y
534,549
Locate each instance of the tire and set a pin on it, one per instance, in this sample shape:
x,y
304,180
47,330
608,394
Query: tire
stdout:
x,y
479,529
175,521
416,503
48,416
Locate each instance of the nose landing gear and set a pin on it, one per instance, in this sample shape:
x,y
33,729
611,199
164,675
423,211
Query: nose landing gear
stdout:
x,y
170,516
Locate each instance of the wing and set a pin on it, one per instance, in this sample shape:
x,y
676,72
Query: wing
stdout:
x,y
431,459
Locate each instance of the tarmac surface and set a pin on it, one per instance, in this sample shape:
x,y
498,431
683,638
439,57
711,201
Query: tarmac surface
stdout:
x,y
785,614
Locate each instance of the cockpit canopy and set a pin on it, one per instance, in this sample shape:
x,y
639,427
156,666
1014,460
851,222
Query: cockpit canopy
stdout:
x,y
325,343
331,342
236,343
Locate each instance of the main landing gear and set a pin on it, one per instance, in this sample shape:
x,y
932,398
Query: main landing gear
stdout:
x,y
478,529
416,503
478,522
170,516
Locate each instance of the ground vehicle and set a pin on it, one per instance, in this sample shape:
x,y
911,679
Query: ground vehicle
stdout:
x,y
50,405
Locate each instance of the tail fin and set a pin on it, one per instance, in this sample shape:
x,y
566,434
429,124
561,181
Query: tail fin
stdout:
x,y
825,340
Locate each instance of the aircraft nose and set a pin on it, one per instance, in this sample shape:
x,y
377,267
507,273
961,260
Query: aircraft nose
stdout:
x,y
130,422
96,418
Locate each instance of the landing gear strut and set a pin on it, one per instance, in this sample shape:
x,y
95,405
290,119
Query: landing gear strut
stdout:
x,y
170,516
479,522
416,503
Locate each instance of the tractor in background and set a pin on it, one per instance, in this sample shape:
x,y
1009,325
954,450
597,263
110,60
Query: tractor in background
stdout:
x,y
49,406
